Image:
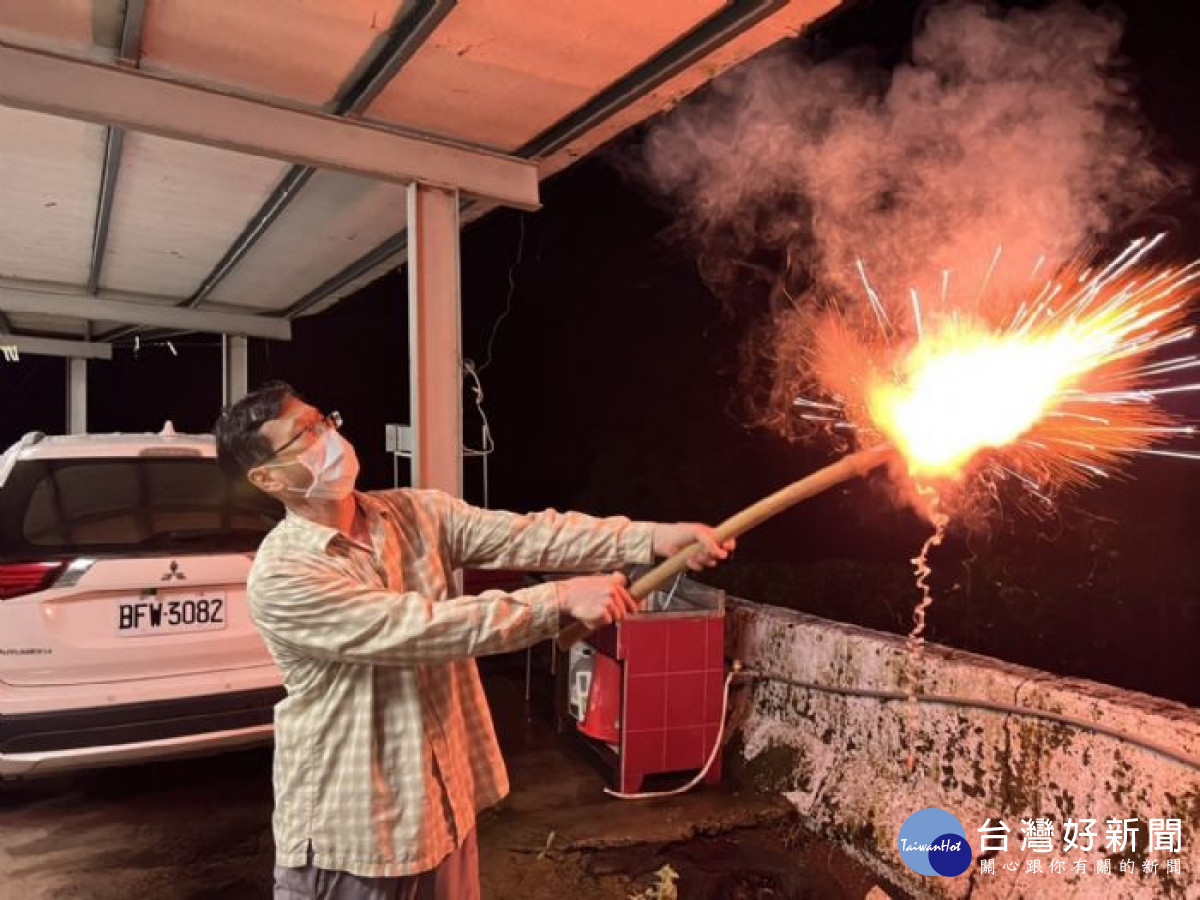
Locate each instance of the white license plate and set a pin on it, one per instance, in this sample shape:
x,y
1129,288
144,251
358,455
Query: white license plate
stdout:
x,y
174,613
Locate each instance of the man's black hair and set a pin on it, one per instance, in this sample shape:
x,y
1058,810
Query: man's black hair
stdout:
x,y
240,447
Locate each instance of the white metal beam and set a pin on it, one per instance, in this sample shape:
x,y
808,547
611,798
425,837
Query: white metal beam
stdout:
x,y
36,346
77,395
234,368
139,101
17,296
435,342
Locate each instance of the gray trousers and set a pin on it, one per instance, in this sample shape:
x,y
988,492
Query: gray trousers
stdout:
x,y
455,878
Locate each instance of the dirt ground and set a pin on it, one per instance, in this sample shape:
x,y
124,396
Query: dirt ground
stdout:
x,y
199,829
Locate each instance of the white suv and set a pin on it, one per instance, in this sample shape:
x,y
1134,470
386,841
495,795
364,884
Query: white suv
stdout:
x,y
124,633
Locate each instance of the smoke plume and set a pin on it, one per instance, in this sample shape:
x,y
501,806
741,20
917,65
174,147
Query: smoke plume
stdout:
x,y
1002,129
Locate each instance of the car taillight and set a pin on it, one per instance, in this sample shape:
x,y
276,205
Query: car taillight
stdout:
x,y
18,579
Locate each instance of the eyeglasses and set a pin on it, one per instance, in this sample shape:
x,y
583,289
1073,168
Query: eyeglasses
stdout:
x,y
320,426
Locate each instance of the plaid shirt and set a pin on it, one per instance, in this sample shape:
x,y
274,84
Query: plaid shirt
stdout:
x,y
384,748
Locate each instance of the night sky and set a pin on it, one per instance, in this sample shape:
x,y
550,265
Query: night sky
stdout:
x,y
613,390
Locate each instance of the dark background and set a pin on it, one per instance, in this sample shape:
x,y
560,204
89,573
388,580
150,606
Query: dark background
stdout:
x,y
612,387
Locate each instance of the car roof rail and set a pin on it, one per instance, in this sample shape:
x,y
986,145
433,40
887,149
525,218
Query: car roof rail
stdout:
x,y
27,440
8,459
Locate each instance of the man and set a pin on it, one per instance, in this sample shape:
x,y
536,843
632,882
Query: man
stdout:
x,y
384,747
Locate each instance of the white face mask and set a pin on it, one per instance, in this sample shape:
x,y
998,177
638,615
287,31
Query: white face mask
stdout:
x,y
333,464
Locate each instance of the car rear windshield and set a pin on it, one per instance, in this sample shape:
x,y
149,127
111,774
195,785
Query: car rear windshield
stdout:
x,y
97,506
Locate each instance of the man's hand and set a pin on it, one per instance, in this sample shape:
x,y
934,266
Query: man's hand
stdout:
x,y
670,539
596,600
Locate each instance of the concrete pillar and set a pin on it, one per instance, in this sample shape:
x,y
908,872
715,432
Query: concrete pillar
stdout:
x,y
234,367
435,341
76,396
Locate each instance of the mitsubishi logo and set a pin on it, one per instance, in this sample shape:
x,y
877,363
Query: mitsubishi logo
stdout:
x,y
174,572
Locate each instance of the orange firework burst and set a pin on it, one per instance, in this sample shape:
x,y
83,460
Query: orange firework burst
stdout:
x,y
1054,388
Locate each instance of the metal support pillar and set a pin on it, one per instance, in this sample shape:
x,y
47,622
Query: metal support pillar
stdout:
x,y
76,396
435,340
233,368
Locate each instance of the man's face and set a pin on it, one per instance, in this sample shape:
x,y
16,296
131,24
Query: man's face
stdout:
x,y
295,429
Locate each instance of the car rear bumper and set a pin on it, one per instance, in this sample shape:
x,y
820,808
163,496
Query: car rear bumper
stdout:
x,y
45,742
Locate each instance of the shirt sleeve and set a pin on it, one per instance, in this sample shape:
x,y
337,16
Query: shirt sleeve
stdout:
x,y
547,541
321,612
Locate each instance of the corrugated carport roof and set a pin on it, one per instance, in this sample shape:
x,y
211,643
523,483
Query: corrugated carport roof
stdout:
x,y
96,214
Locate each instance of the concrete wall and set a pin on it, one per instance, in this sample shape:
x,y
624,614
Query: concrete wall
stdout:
x,y
841,760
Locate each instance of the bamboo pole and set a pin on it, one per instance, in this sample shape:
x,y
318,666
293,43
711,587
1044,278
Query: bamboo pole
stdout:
x,y
850,466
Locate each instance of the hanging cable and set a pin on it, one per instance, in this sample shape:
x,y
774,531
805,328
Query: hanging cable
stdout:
x,y
473,374
477,390
489,444
508,301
